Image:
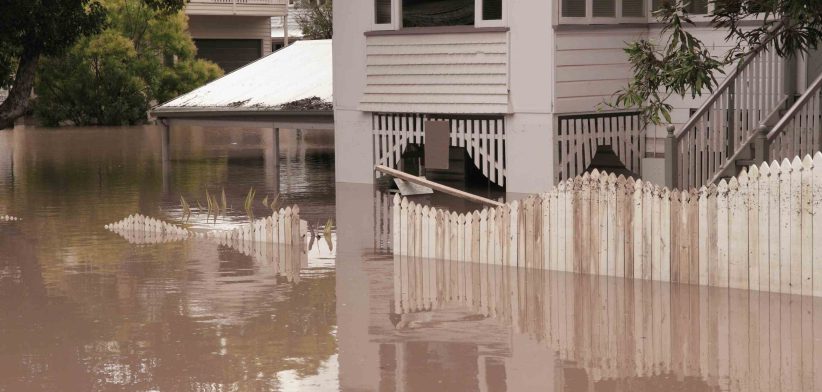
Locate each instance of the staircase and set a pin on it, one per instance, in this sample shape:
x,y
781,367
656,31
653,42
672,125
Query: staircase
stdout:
x,y
718,140
799,131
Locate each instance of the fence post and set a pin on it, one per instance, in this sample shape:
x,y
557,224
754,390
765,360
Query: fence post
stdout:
x,y
670,158
761,145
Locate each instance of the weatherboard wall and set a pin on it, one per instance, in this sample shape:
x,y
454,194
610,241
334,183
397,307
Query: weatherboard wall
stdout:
x,y
437,73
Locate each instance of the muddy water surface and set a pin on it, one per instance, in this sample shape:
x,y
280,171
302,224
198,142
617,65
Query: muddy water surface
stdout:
x,y
83,309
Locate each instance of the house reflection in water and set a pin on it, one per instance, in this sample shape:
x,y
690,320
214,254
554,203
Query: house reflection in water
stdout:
x,y
433,325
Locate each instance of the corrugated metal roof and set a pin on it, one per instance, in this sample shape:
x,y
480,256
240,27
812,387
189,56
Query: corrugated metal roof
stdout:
x,y
298,72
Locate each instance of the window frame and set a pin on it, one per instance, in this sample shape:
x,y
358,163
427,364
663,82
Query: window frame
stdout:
x,y
480,22
396,17
589,19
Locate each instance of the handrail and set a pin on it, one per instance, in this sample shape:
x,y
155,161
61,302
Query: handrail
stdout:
x,y
726,83
799,105
435,186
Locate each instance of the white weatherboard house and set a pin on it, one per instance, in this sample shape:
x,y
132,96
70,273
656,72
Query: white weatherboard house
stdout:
x,y
233,33
519,82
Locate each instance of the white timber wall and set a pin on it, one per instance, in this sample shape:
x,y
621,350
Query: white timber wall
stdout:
x,y
591,65
352,127
437,73
529,131
758,231
239,7
491,72
232,27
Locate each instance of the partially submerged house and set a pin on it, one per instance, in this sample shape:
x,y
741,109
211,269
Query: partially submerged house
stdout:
x,y
519,84
233,33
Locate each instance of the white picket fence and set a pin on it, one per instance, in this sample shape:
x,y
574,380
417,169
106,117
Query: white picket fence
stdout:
x,y
755,231
282,227
8,218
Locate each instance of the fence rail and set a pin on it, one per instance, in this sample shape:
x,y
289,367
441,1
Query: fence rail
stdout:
x,y
755,231
482,137
578,137
730,117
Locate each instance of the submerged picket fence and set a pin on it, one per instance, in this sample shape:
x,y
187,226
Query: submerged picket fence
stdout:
x,y
282,227
755,231
8,218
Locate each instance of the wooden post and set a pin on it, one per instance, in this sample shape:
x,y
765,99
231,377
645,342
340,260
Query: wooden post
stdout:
x,y
761,144
670,158
285,30
165,154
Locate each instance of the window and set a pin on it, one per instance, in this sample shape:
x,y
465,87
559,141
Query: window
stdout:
x,y
604,8
491,9
633,8
573,8
382,11
427,13
694,7
395,14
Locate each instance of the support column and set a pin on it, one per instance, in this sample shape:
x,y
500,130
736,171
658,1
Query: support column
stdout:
x,y
165,155
285,31
272,160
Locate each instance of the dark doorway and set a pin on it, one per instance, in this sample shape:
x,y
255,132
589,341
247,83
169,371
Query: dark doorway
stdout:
x,y
606,160
229,54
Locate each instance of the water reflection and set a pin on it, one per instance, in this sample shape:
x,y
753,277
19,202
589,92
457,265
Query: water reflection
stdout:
x,y
446,325
450,320
83,309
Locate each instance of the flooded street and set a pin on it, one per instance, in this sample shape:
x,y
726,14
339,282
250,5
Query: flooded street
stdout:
x,y
84,309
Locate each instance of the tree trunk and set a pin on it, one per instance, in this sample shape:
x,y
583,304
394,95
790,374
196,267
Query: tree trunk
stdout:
x,y
17,103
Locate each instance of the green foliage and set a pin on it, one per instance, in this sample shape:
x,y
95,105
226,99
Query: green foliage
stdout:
x,y
94,83
144,56
315,18
33,27
681,65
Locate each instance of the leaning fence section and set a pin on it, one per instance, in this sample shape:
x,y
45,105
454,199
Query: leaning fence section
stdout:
x,y
755,231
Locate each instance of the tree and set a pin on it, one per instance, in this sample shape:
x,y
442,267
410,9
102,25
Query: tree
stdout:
x,y
315,18
34,28
144,56
681,64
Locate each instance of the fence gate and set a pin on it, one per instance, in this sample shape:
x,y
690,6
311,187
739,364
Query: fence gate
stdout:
x,y
483,138
579,135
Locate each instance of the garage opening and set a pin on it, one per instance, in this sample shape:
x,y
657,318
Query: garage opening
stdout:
x,y
229,54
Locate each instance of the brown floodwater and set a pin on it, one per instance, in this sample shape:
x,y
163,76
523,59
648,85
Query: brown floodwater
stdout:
x,y
84,309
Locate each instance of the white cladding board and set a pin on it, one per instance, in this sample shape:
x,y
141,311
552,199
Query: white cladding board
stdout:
x,y
437,73
591,66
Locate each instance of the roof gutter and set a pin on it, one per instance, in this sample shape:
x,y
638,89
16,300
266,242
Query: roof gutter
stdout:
x,y
223,112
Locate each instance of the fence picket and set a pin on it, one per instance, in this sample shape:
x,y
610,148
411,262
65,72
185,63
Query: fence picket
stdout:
x,y
754,231
817,224
806,228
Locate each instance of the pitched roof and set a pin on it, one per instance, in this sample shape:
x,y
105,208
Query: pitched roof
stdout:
x,y
281,81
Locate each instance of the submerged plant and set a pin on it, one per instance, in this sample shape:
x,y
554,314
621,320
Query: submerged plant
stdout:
x,y
249,202
186,208
327,233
